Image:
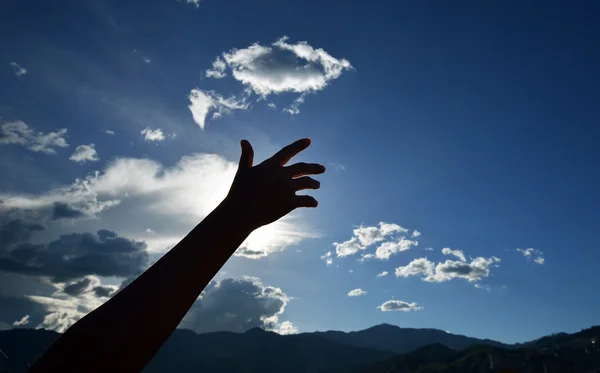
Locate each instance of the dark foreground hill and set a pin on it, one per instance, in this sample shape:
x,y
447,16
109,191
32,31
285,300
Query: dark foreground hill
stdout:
x,y
370,350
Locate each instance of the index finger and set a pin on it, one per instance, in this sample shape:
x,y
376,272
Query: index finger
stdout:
x,y
284,155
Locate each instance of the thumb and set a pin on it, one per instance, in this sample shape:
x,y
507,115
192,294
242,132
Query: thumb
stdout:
x,y
247,157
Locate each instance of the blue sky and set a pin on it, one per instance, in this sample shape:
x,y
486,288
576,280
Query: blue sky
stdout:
x,y
474,124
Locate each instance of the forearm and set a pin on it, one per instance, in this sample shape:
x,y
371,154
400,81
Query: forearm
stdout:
x,y
125,332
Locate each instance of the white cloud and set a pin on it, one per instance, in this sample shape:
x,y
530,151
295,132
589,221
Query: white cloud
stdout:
x,y
429,271
195,3
294,108
382,274
153,135
146,59
18,70
285,328
483,287
217,71
346,248
109,132
281,67
272,105
174,198
398,305
356,292
365,236
327,257
19,133
428,249
204,102
23,321
533,254
84,153
387,249
370,235
415,234
457,253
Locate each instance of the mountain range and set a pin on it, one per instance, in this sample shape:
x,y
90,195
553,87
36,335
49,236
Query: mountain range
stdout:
x,y
380,349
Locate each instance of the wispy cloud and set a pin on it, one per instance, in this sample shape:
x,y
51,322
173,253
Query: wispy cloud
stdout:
x,y
84,153
382,274
217,71
327,257
202,103
195,3
398,305
535,255
18,69
23,321
457,253
19,133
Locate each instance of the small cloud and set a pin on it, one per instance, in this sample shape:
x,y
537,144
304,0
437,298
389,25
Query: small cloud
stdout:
x,y
24,321
415,234
150,231
398,305
351,271
365,236
483,287
428,249
153,135
217,71
146,59
327,257
195,3
84,153
533,254
285,328
272,106
382,274
356,292
457,253
429,271
294,108
19,133
204,102
109,132
336,166
18,69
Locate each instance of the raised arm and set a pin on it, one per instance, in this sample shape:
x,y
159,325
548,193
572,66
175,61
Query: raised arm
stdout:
x,y
124,333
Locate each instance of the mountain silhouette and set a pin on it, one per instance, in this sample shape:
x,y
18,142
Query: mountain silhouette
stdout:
x,y
382,348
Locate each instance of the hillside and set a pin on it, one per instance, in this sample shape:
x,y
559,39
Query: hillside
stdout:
x,y
402,340
363,351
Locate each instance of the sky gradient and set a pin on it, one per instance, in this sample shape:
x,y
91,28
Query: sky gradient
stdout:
x,y
460,141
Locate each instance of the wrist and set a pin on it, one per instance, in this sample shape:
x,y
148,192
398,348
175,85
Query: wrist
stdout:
x,y
232,214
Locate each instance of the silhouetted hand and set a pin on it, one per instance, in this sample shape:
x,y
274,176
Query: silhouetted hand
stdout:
x,y
264,193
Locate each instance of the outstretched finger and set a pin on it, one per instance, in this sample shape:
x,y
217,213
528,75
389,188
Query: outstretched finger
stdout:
x,y
301,169
284,155
247,157
305,183
305,201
